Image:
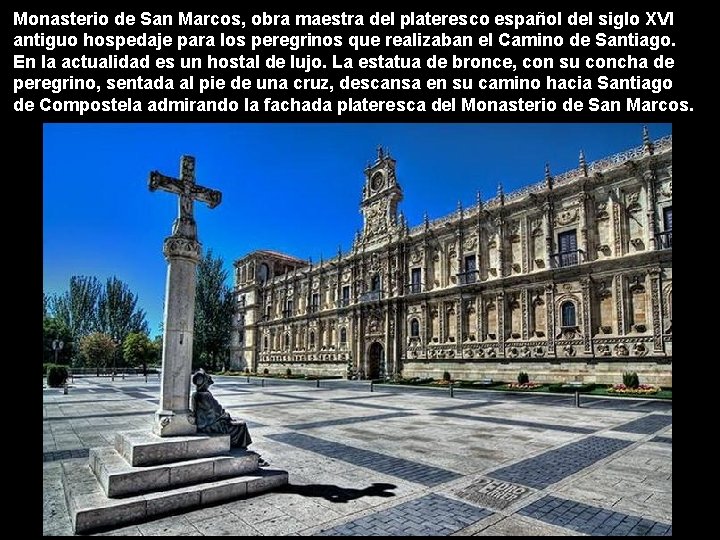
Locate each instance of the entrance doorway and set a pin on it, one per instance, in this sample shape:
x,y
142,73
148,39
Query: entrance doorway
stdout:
x,y
375,361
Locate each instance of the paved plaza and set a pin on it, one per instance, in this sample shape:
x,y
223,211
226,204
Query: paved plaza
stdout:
x,y
399,461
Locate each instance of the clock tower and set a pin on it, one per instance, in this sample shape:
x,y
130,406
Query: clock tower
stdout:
x,y
381,195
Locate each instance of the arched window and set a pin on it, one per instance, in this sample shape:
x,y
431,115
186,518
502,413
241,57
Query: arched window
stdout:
x,y
343,336
414,328
567,309
263,273
312,339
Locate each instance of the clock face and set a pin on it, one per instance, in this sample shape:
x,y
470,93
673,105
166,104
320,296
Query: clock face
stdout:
x,y
377,181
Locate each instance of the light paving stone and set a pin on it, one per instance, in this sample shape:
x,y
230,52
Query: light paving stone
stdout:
x,y
470,448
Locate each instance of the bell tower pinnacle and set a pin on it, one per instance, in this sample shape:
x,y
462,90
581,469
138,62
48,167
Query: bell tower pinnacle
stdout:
x,y
381,195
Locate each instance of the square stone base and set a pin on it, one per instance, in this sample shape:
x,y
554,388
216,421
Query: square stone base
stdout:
x,y
91,510
146,476
142,448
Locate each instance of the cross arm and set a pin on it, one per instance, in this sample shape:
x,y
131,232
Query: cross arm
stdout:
x,y
158,180
211,197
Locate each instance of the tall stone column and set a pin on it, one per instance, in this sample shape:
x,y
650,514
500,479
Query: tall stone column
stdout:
x,y
174,416
656,300
587,300
550,317
182,252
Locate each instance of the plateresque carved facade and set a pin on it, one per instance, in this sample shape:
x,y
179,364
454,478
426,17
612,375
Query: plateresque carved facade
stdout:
x,y
568,279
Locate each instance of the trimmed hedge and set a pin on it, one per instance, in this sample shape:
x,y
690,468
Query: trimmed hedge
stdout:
x,y
56,375
564,388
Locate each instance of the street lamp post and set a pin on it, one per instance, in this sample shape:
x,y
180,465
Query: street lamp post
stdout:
x,y
116,341
57,346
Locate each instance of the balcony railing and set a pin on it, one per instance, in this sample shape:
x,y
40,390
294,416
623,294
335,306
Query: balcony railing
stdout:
x,y
313,308
663,240
567,258
344,302
414,288
287,313
371,296
465,278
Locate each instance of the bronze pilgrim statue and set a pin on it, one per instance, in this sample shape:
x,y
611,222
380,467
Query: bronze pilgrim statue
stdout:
x,y
210,417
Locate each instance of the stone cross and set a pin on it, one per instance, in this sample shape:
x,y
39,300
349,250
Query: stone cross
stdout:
x,y
189,192
182,252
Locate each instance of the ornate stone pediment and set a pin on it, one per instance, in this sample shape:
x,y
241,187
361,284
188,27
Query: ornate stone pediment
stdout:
x,y
567,217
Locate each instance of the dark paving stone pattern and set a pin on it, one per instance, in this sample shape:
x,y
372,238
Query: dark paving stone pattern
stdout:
x,y
661,439
397,467
646,425
141,395
79,391
96,415
554,465
523,423
350,420
57,455
470,405
592,520
432,515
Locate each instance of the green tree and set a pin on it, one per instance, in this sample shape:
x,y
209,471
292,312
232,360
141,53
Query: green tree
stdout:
x,y
157,350
138,350
89,306
54,329
117,311
97,349
76,308
213,314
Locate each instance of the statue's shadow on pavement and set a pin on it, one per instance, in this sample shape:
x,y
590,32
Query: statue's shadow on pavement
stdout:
x,y
338,494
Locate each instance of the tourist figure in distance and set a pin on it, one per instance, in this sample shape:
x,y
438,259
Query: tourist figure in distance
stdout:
x,y
210,417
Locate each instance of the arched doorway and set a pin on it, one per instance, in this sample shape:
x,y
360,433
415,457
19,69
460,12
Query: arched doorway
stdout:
x,y
375,361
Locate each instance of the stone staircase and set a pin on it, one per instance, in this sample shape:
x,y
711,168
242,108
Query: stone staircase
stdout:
x,y
145,476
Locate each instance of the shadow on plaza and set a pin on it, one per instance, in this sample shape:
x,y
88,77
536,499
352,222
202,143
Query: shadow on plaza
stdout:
x,y
339,494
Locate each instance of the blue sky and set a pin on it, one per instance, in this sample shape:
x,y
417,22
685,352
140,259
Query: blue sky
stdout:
x,y
288,187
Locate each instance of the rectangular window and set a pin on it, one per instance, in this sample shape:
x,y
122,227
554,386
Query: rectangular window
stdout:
x,y
345,295
665,238
470,269
415,280
568,252
667,218
315,302
468,272
470,263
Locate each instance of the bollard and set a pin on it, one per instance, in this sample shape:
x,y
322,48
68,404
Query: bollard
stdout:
x,y
371,386
123,375
146,378
452,390
317,383
65,388
248,379
262,383
577,398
